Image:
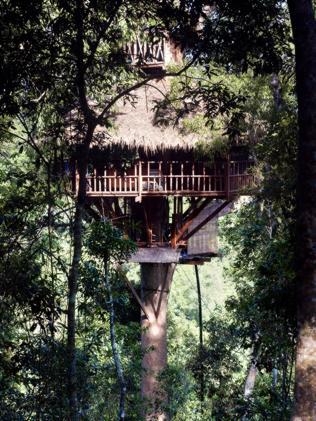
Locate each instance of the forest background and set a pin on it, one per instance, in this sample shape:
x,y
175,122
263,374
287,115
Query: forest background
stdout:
x,y
57,359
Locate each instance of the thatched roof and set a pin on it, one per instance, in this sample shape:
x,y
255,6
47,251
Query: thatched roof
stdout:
x,y
139,127
136,124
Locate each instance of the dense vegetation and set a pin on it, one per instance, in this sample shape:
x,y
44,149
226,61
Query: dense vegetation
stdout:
x,y
69,337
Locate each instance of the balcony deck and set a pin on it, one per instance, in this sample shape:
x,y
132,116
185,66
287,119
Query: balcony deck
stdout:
x,y
146,53
223,179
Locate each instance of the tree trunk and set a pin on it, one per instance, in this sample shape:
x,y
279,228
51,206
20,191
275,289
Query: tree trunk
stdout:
x,y
72,287
304,32
251,377
156,281
115,351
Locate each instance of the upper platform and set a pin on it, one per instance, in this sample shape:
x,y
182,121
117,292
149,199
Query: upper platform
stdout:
x,y
153,55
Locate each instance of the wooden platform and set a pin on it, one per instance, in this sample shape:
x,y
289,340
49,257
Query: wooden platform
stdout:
x,y
169,255
156,255
222,179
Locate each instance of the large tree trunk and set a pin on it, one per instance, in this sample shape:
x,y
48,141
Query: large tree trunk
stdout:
x,y
304,32
156,281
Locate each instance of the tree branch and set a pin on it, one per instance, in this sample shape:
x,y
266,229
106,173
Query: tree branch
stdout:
x,y
140,84
106,25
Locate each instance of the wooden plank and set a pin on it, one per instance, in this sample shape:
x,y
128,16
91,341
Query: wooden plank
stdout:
x,y
205,240
156,255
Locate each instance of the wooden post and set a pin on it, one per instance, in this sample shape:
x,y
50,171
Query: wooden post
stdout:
x,y
198,285
94,182
140,181
181,176
170,177
160,176
227,176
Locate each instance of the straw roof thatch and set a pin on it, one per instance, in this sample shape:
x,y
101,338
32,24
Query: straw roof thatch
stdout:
x,y
136,123
138,126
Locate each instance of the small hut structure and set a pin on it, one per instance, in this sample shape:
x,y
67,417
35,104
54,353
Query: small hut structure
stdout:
x,y
148,180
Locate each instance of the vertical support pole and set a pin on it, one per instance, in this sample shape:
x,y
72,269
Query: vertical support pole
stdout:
x,y
155,282
227,176
76,180
171,179
200,331
155,285
174,222
93,184
192,178
140,181
181,176
198,285
160,176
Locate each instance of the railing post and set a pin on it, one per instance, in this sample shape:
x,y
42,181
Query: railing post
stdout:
x,y
227,177
77,181
140,181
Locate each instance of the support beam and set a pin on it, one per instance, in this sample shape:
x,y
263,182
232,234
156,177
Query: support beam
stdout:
x,y
198,285
189,221
207,219
137,298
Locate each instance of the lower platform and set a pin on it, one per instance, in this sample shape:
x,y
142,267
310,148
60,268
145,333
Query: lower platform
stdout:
x,y
168,255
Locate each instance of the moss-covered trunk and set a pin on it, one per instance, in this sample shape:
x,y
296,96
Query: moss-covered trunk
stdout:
x,y
304,32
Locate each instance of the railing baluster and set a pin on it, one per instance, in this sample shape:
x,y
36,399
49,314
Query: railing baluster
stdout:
x,y
224,178
192,178
181,176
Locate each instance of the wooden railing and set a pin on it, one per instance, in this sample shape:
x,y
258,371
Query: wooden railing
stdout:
x,y
154,178
240,177
146,53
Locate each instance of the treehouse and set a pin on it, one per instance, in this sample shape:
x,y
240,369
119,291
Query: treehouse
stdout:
x,y
150,178
190,193
146,164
